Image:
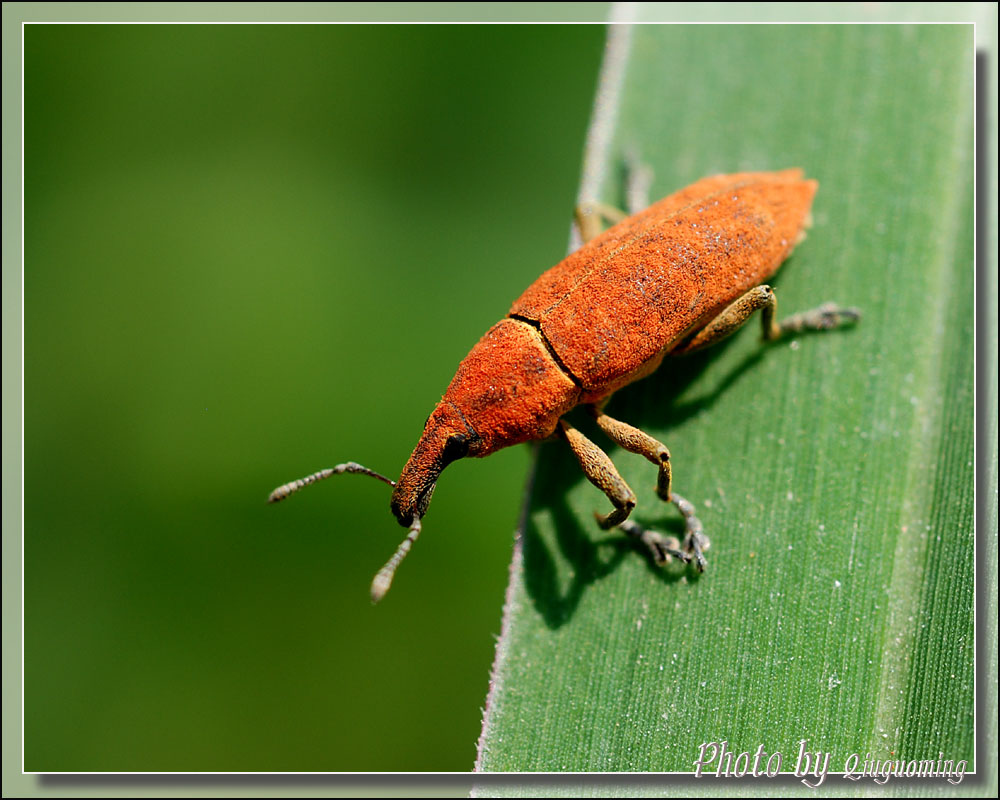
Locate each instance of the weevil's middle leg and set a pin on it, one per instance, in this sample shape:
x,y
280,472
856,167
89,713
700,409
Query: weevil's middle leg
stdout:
x,y
636,441
661,548
695,540
761,298
601,472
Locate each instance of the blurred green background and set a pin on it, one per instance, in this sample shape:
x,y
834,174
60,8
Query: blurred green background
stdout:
x,y
252,252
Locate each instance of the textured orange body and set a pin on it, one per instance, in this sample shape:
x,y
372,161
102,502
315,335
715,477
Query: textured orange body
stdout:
x,y
631,293
607,315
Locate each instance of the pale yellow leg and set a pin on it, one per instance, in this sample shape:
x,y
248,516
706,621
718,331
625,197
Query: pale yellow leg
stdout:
x,y
589,216
661,547
601,472
761,298
636,441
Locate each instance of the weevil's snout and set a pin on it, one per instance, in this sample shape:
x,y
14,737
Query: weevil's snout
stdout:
x,y
406,511
446,438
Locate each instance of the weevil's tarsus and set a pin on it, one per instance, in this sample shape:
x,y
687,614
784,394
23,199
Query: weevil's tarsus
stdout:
x,y
636,441
601,472
662,548
762,298
383,579
823,318
695,540
282,492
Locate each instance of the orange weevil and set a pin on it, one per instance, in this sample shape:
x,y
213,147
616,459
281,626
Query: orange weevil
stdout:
x,y
676,277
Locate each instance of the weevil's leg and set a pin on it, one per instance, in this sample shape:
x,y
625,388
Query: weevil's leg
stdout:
x,y
761,298
589,214
636,441
695,540
601,472
638,182
661,548
821,318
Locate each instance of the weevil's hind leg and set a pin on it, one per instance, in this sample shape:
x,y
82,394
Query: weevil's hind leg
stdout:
x,y
589,214
661,547
761,298
601,472
638,181
822,318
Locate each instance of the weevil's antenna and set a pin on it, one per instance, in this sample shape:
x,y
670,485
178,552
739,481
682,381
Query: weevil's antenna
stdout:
x,y
383,580
283,491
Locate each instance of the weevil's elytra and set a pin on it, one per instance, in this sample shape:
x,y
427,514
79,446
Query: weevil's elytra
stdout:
x,y
676,277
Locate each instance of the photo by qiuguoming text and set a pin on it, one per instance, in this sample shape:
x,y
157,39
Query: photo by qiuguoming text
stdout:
x,y
716,759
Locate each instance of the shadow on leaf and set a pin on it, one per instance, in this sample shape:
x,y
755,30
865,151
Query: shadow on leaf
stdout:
x,y
564,553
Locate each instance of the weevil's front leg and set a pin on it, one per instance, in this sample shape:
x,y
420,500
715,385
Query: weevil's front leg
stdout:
x,y
636,441
761,298
601,472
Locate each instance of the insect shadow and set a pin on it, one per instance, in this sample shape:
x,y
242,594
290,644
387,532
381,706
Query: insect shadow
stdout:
x,y
563,554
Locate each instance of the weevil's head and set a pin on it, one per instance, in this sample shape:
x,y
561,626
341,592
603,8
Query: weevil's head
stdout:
x,y
446,438
507,390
